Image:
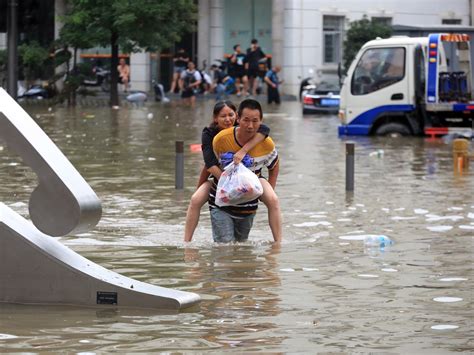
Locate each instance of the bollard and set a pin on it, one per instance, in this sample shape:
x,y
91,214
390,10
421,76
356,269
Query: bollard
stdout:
x,y
460,155
350,166
179,177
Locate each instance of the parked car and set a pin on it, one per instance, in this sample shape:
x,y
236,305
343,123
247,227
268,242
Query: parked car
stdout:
x,y
322,98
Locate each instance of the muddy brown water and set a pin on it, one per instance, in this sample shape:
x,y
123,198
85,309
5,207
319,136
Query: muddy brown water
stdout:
x,y
322,290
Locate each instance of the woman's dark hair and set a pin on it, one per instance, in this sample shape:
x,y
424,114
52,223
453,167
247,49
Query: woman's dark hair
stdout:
x,y
250,104
218,108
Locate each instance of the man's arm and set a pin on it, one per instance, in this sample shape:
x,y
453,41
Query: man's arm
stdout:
x,y
269,82
273,175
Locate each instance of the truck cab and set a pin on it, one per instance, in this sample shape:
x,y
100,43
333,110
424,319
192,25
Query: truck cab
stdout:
x,y
409,86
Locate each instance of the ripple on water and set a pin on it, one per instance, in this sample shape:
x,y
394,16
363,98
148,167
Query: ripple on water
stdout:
x,y
389,270
444,327
447,299
368,276
439,228
449,279
7,336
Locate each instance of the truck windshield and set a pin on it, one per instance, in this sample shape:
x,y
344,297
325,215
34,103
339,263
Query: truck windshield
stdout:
x,y
377,69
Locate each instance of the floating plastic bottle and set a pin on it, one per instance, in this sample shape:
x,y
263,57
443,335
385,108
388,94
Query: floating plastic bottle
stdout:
x,y
379,241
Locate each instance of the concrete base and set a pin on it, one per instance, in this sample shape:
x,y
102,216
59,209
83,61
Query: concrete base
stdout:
x,y
38,269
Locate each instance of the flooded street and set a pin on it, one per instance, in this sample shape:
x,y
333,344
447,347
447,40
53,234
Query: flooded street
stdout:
x,y
322,290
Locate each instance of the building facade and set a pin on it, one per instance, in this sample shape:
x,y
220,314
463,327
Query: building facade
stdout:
x,y
306,36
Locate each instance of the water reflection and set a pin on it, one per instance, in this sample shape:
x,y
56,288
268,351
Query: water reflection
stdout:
x,y
317,293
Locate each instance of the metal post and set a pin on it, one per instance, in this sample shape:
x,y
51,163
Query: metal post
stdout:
x,y
12,85
350,166
460,155
179,177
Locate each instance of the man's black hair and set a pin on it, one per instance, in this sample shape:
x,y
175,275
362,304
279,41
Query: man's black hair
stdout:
x,y
254,41
235,47
250,104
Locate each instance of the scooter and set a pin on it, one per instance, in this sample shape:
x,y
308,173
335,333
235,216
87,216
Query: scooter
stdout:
x,y
101,78
34,92
160,92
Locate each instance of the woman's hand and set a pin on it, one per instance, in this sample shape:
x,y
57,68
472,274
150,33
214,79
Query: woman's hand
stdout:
x,y
239,156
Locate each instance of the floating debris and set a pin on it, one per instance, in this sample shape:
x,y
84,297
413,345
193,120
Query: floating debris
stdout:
x,y
447,299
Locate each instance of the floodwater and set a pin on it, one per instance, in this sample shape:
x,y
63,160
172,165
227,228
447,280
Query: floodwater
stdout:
x,y
320,291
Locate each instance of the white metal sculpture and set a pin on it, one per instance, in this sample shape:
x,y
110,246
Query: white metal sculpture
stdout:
x,y
34,266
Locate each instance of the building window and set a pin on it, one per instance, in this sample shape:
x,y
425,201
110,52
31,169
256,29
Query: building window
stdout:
x,y
333,27
451,21
386,21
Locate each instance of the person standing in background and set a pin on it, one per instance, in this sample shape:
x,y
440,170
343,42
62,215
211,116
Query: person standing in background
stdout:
x,y
254,57
189,83
237,70
124,74
180,63
273,82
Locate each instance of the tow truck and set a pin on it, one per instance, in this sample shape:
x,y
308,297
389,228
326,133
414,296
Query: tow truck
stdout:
x,y
410,86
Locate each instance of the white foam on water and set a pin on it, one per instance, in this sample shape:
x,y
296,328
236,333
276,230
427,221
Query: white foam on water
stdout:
x,y
444,326
368,276
287,269
385,209
310,269
439,228
344,243
400,209
352,237
84,341
400,218
360,205
18,204
420,211
447,299
449,279
355,232
388,269
312,224
7,336
467,227
470,215
329,203
84,235
454,208
317,216
435,218
344,220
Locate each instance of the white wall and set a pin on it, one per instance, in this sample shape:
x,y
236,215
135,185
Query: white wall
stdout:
x,y
216,30
3,41
140,71
303,33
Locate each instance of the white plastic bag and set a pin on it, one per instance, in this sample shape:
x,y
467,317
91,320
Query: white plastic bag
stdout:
x,y
237,184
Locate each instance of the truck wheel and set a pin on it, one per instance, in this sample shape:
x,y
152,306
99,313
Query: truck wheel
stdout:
x,y
393,130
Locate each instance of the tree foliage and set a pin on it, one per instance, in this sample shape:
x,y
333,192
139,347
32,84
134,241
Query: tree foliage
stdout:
x,y
360,32
33,58
132,25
